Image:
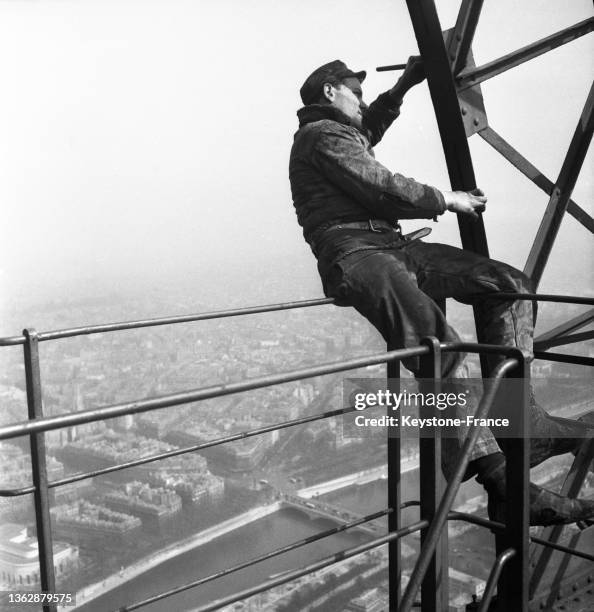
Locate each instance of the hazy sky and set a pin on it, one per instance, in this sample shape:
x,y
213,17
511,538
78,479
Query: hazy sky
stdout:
x,y
149,136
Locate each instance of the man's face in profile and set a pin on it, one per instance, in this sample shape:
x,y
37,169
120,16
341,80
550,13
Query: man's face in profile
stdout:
x,y
348,98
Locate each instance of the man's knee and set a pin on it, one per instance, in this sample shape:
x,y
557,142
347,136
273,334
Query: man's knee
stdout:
x,y
510,279
522,282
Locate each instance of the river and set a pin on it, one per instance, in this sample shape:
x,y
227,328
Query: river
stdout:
x,y
256,538
263,535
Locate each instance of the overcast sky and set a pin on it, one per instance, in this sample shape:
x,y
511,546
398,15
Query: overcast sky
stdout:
x,y
145,136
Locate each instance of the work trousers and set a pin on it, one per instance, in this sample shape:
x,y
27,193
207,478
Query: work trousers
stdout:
x,y
396,283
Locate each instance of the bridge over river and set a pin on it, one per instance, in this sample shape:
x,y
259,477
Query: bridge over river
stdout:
x,y
317,507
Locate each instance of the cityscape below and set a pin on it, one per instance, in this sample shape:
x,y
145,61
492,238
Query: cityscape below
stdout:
x,y
191,515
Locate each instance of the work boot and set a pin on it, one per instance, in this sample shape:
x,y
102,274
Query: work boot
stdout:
x,y
546,507
555,435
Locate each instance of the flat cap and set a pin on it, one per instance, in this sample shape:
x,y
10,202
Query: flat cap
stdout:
x,y
310,90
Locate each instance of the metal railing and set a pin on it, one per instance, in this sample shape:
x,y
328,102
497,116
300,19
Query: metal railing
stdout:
x,y
430,572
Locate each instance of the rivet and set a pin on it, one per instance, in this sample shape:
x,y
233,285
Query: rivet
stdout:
x,y
463,110
475,121
458,37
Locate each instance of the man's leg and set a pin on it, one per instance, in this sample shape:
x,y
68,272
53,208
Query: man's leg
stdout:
x,y
444,271
382,286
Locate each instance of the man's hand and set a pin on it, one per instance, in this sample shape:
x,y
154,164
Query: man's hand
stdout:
x,y
465,202
413,74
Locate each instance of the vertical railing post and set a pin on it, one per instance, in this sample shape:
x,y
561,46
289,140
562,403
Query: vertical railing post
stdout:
x,y
434,589
513,585
394,492
39,467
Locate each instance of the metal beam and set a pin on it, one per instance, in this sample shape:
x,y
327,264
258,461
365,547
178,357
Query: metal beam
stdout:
x,y
567,327
517,160
461,37
562,358
468,78
451,127
547,232
447,111
563,340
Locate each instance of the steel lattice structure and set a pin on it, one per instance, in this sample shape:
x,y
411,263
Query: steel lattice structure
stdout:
x,y
454,83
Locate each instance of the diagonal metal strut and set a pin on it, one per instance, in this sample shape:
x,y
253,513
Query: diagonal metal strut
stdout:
x,y
474,76
463,33
517,160
547,232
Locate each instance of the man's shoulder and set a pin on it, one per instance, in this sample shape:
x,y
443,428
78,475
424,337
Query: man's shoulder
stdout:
x,y
327,126
315,133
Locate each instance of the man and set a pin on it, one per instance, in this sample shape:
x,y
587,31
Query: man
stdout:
x,y
349,206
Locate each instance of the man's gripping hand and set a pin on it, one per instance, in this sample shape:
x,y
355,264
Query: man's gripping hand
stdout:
x,y
414,73
465,202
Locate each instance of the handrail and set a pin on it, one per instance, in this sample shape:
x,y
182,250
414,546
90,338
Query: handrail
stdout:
x,y
97,414
501,560
454,515
237,312
178,451
537,297
313,567
164,401
204,316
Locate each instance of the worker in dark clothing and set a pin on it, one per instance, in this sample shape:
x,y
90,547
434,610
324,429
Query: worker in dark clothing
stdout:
x,y
349,206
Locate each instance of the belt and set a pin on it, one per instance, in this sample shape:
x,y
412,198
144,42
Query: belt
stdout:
x,y
371,225
379,225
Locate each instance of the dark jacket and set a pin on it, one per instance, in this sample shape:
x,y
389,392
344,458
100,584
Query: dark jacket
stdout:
x,y
335,177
